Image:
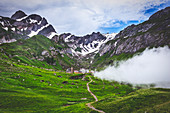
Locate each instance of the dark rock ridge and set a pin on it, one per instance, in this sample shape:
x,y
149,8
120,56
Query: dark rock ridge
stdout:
x,y
89,49
152,33
22,26
19,14
160,14
83,46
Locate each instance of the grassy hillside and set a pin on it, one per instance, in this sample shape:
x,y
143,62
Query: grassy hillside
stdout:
x,y
141,101
30,85
30,52
32,89
101,62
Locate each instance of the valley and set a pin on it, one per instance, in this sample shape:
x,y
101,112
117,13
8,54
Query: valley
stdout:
x,y
26,88
31,89
34,60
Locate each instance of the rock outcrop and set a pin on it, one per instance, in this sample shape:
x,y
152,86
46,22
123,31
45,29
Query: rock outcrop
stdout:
x,y
22,26
152,33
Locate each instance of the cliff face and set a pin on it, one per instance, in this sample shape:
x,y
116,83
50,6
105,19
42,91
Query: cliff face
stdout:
x,y
84,46
22,26
152,33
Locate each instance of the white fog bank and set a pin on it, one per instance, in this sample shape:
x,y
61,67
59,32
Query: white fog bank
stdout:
x,y
152,66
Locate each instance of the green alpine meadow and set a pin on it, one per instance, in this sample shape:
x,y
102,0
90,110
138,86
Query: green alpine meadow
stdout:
x,y
65,67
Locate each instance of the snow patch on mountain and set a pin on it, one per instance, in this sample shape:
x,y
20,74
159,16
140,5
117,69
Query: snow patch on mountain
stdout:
x,y
36,32
52,35
92,47
20,19
110,36
13,29
6,28
3,40
27,26
32,21
95,45
67,38
115,44
2,23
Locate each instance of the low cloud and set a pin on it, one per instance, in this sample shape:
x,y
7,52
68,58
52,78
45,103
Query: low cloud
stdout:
x,y
152,66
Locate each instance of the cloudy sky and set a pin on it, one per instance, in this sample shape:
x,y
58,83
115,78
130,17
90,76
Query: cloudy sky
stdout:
x,y
82,17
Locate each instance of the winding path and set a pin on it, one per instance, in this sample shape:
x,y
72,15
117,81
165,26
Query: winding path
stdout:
x,y
89,104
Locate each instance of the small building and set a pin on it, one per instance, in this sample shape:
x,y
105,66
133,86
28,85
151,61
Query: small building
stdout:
x,y
84,70
70,70
77,72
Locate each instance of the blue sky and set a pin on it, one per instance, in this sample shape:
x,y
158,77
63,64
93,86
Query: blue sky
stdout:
x,y
116,29
81,17
148,13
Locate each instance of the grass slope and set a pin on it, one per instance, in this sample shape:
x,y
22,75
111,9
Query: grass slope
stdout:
x,y
35,86
141,101
32,89
30,51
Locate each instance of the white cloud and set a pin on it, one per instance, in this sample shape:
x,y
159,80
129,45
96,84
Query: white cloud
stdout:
x,y
150,67
111,24
85,16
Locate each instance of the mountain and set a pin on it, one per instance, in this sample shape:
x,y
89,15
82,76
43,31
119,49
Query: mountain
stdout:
x,y
33,68
92,51
151,33
84,46
136,38
37,51
22,26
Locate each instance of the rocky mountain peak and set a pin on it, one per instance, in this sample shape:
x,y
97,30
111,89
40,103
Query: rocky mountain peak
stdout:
x,y
18,14
83,46
44,21
23,26
135,38
35,17
161,14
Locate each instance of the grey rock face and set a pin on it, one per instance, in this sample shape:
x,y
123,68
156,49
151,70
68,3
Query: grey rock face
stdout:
x,y
152,33
18,14
21,26
158,15
47,30
82,46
